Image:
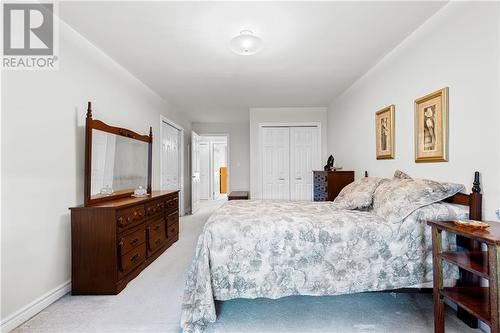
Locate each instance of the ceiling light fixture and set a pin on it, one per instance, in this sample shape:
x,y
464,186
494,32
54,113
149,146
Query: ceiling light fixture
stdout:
x,y
246,43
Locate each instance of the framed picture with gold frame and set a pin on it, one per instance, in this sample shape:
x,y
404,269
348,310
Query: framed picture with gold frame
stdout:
x,y
384,132
431,127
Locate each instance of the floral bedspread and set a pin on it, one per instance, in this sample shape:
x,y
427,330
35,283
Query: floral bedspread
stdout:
x,y
272,249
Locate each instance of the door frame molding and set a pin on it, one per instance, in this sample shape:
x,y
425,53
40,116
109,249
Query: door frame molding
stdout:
x,y
280,124
164,119
228,142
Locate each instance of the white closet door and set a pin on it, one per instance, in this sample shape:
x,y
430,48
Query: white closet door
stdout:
x,y
170,157
276,163
304,158
204,170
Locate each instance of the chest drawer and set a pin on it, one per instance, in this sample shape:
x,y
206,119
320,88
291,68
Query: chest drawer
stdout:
x,y
156,208
173,230
132,240
172,204
132,259
156,234
126,218
173,218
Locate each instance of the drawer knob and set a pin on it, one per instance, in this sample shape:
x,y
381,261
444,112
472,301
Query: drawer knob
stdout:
x,y
134,241
158,241
135,258
157,227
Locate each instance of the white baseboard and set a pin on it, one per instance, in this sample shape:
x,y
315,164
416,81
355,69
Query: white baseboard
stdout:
x,y
19,317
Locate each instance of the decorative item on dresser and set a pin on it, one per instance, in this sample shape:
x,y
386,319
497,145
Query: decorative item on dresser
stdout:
x,y
123,226
328,184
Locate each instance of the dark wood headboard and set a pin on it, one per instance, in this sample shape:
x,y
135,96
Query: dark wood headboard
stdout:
x,y
474,200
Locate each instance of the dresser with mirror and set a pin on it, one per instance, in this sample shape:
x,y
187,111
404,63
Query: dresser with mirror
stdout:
x,y
123,226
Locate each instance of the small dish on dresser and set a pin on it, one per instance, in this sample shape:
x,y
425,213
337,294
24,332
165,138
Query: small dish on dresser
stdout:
x,y
471,224
139,195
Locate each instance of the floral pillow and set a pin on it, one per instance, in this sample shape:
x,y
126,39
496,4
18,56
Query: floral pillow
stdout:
x,y
441,211
358,194
401,175
397,198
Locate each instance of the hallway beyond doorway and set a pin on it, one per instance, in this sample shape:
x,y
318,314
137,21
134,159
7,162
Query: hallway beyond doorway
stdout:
x,y
214,167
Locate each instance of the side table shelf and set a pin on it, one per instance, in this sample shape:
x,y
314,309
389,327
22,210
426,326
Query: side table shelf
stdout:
x,y
481,302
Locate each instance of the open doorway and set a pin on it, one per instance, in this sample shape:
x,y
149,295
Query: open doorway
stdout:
x,y
214,167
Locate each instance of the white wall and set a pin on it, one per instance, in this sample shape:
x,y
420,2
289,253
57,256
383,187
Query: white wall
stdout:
x,y
281,116
42,162
239,150
458,48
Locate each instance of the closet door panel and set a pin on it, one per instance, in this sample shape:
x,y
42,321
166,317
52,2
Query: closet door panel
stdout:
x,y
275,163
304,158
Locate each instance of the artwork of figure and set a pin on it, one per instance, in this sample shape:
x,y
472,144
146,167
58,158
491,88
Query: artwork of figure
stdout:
x,y
384,132
429,128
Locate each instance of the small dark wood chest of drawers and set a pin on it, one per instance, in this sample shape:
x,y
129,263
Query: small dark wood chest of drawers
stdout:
x,y
113,241
328,184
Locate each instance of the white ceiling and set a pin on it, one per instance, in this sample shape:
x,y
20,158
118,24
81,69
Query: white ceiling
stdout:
x,y
312,51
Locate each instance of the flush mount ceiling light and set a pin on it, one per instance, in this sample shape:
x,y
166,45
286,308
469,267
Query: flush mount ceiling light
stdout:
x,y
246,43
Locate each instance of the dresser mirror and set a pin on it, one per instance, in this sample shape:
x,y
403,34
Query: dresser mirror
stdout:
x,y
117,161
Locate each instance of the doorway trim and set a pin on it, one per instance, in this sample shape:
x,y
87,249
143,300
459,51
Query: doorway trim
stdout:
x,y
228,140
164,119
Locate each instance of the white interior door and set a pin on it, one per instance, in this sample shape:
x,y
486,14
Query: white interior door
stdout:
x,y
276,163
170,145
195,172
204,170
305,157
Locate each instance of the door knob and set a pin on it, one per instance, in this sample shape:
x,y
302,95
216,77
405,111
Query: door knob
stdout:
x,y
282,179
298,178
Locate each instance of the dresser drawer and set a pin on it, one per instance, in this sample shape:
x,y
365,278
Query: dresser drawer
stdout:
x,y
132,259
172,204
129,217
156,234
132,240
173,218
156,208
173,230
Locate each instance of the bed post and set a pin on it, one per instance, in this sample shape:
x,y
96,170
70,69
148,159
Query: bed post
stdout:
x,y
466,278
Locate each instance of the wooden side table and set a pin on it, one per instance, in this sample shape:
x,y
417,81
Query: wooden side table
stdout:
x,y
482,302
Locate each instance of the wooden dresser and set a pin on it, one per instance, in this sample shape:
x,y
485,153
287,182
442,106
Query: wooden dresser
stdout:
x,y
113,241
328,184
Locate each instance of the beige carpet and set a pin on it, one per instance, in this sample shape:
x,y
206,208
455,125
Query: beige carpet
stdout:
x,y
151,303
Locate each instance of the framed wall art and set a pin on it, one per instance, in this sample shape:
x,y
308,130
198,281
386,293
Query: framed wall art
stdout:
x,y
431,127
384,129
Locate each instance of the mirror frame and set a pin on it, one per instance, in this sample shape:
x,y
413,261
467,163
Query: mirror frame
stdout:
x,y
91,124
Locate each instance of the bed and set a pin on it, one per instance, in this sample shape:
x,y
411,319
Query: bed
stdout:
x,y
273,249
